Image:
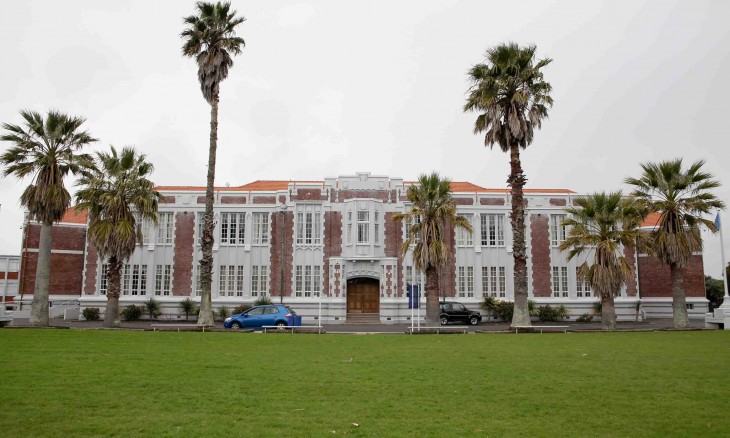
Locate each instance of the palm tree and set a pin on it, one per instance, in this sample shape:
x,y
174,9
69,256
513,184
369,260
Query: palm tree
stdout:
x,y
211,39
46,149
513,99
117,194
603,224
681,197
432,208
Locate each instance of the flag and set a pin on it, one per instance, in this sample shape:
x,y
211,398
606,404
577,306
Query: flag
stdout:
x,y
717,220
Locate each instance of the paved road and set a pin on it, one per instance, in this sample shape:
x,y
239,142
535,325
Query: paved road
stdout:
x,y
651,324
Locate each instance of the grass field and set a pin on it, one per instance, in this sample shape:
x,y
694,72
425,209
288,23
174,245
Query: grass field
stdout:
x,y
125,383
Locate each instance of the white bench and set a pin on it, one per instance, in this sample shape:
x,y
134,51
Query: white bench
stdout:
x,y
156,327
317,328
439,329
517,328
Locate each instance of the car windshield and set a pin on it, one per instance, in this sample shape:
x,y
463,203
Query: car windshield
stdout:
x,y
290,310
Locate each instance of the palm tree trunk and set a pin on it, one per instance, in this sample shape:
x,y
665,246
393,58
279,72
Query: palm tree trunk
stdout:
x,y
114,287
39,307
205,316
608,312
679,301
516,181
432,296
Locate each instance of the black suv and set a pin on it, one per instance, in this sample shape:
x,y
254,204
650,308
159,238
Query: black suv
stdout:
x,y
452,311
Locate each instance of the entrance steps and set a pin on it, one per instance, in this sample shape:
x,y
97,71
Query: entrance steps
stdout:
x,y
363,318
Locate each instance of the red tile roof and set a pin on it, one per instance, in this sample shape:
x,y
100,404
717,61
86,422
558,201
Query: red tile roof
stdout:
x,y
71,216
272,186
651,220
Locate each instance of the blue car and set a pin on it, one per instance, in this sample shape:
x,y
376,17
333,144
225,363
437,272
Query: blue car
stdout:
x,y
259,316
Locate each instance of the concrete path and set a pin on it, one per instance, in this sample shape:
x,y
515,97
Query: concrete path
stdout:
x,y
650,324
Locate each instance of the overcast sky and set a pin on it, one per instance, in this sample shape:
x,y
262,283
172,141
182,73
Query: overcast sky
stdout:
x,y
331,88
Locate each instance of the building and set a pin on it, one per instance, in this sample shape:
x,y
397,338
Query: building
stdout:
x,y
332,247
9,267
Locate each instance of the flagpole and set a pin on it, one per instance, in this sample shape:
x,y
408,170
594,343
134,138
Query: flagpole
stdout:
x,y
726,294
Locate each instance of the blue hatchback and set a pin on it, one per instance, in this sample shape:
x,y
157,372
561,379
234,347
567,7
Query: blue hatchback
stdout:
x,y
259,316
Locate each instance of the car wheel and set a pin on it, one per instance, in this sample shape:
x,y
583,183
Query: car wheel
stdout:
x,y
281,324
473,320
444,320
235,325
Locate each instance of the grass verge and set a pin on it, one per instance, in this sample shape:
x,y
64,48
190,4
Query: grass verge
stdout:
x,y
119,383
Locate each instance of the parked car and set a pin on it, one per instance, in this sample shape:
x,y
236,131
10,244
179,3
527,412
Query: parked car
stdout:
x,y
259,316
456,312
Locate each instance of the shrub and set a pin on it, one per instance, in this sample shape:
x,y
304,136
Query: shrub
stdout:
x,y
91,313
586,317
597,308
222,313
505,309
152,306
132,313
562,312
490,305
240,309
263,300
188,307
531,308
546,313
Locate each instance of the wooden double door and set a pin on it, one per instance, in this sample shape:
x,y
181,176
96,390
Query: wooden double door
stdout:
x,y
363,295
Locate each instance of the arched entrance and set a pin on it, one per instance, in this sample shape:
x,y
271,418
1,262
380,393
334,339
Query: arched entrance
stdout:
x,y
363,295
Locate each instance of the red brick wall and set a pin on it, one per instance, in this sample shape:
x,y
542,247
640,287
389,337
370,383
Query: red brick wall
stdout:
x,y
264,199
308,195
558,202
91,267
363,194
231,199
333,242
393,244
167,200
64,237
182,260
655,280
631,258
540,256
66,274
491,201
201,199
464,201
276,241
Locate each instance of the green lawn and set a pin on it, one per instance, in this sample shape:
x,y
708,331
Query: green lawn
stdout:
x,y
122,383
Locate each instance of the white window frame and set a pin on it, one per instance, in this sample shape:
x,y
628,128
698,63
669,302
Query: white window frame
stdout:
x,y
309,224
463,236
492,229
165,228
363,227
260,228
259,280
163,280
557,229
559,281
232,229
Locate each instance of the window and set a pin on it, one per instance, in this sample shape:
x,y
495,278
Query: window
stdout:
x,y
560,281
557,229
466,281
230,281
162,279
260,228
198,290
409,234
363,227
259,280
582,287
164,228
494,281
413,276
307,281
134,280
233,228
103,285
464,237
377,227
349,227
492,229
147,231
309,225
